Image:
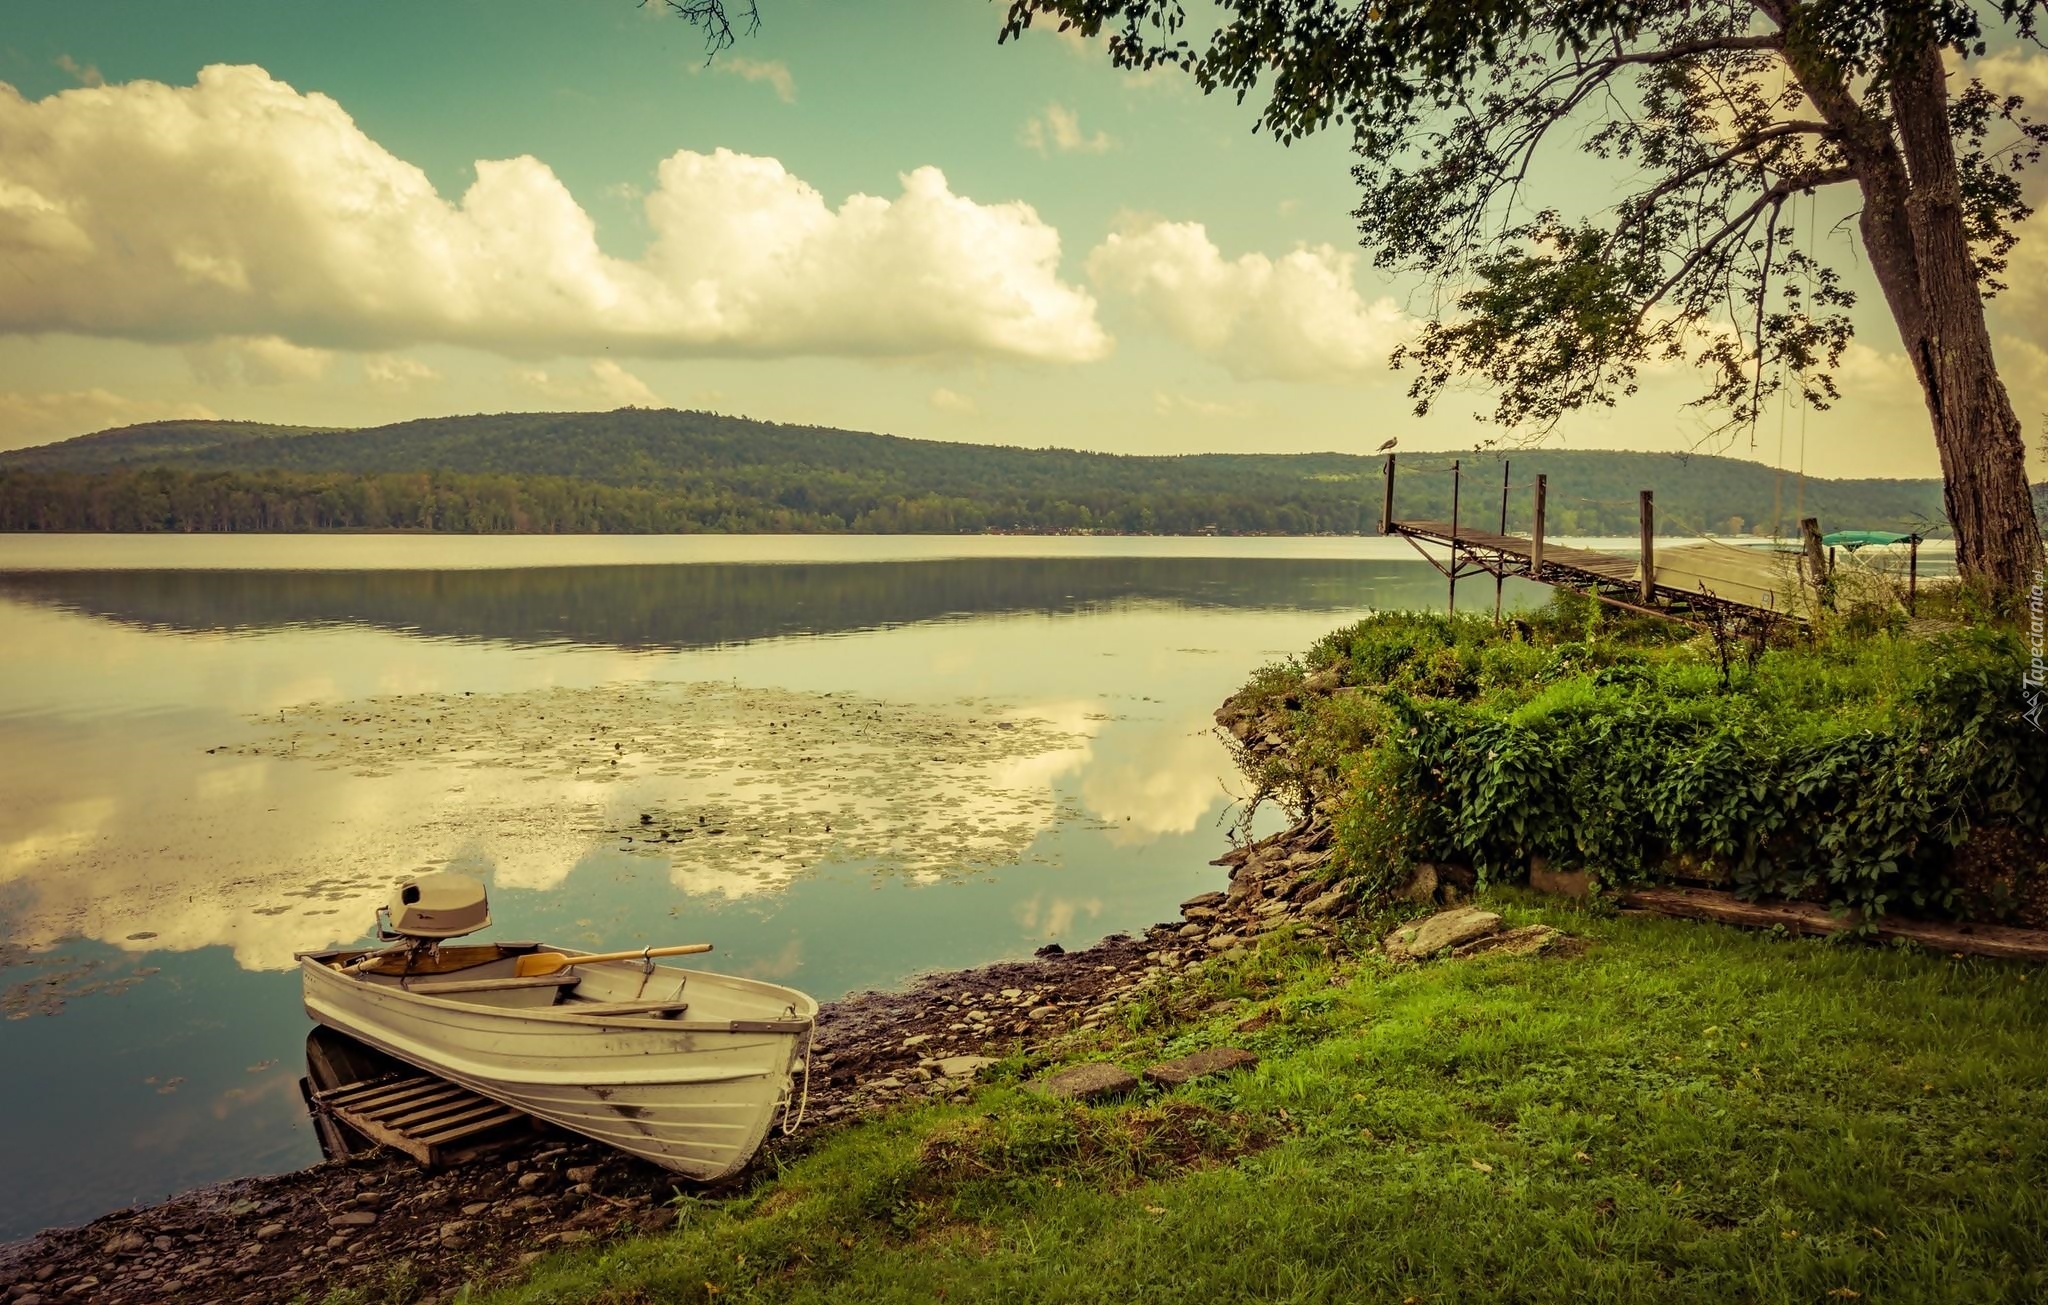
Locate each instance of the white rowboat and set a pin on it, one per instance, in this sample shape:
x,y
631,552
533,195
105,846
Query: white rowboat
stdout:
x,y
685,1068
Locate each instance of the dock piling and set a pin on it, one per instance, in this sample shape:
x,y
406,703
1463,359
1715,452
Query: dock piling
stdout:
x,y
1646,513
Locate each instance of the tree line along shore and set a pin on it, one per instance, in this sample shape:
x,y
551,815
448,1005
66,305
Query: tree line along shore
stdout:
x,y
644,471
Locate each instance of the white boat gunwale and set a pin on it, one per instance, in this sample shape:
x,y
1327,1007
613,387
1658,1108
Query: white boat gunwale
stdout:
x,y
328,960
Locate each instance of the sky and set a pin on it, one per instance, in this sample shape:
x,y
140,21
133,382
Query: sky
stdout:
x,y
867,216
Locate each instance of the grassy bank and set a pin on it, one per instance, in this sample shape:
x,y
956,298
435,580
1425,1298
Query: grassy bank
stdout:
x,y
1663,1111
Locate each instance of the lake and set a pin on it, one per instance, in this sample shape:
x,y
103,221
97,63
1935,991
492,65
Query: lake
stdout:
x,y
841,761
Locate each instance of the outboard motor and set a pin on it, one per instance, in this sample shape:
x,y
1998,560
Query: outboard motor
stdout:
x,y
435,907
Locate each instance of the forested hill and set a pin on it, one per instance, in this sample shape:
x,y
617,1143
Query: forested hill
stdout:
x,y
638,470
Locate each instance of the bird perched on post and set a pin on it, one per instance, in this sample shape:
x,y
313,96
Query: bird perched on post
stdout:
x,y
1388,445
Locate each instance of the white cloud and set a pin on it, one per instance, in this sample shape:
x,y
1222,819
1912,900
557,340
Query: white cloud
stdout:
x,y
1298,317
84,74
240,207
39,418
2014,72
255,360
397,373
946,400
772,72
1059,128
604,385
1181,405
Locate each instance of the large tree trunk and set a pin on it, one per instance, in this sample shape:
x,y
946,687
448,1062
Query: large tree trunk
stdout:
x,y
1919,250
1983,454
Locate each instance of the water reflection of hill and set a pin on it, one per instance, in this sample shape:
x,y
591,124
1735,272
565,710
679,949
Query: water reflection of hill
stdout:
x,y
703,605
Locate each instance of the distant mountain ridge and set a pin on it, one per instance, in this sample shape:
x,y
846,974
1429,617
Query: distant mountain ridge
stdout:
x,y
666,470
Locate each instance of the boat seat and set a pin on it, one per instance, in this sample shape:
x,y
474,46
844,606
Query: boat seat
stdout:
x,y
665,1010
448,986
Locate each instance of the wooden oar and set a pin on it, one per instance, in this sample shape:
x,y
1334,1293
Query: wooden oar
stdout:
x,y
534,964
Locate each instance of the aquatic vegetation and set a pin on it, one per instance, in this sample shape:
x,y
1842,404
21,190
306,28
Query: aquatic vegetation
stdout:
x,y
729,783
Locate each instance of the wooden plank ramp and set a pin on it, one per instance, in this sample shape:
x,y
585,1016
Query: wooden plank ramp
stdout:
x,y
2003,941
436,1122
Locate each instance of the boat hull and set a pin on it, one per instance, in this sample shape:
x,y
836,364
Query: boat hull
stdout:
x,y
695,1096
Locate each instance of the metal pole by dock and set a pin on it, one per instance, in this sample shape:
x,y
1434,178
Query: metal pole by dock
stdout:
x,y
1387,497
1451,609
1500,567
1536,533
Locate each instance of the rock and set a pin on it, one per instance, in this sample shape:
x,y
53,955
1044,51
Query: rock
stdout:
x,y
916,1040
580,1173
1202,901
527,1182
1525,941
1253,1023
1044,1012
1444,930
353,1219
162,1243
1421,886
962,1066
270,1232
1012,993
1193,930
1565,883
571,1236
1214,1060
369,1200
1090,1082
1323,681
1050,949
475,1208
454,1233
1326,904
128,1243
337,1241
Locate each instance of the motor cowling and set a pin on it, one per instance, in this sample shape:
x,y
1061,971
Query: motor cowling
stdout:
x,y
439,906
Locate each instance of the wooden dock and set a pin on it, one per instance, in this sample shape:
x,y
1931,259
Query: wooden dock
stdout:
x,y
1637,584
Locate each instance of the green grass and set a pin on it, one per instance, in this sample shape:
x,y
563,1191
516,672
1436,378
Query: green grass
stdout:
x,y
1679,1113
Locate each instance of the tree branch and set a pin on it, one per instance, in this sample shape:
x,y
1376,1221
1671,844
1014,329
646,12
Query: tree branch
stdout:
x,y
1741,147
1742,222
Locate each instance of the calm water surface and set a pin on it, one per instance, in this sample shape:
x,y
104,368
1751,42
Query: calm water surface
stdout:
x,y
840,761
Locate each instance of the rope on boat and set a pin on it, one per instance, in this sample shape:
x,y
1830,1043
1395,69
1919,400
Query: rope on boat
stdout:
x,y
804,1102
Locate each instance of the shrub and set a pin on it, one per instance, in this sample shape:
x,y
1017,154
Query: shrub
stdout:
x,y
1847,767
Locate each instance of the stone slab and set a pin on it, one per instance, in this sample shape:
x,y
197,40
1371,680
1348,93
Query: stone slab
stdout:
x,y
1444,930
1213,1060
1090,1082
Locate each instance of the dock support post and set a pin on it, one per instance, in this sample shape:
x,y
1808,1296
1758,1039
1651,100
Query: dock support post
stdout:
x,y
1387,497
1646,513
1456,480
1816,558
1501,562
1536,533
1912,572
